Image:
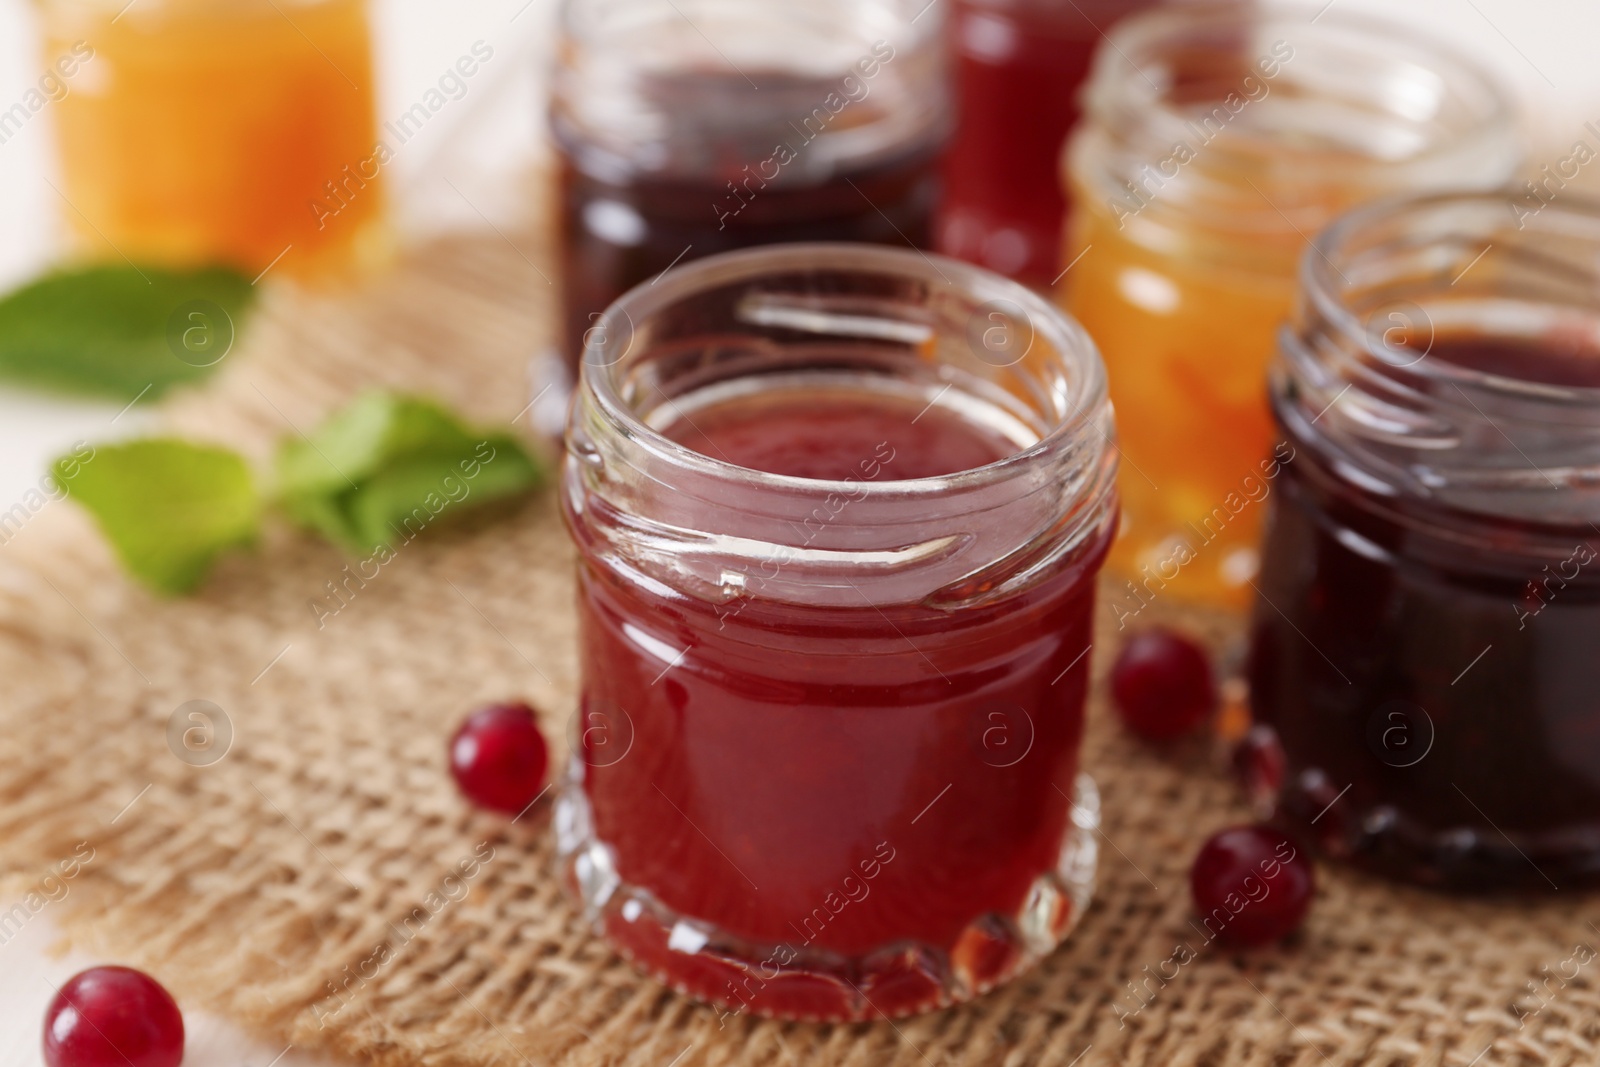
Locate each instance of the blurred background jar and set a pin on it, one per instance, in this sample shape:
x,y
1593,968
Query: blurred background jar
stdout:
x,y
236,132
688,127
1019,65
1217,139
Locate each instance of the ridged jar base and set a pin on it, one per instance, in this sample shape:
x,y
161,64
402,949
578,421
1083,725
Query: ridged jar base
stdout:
x,y
698,959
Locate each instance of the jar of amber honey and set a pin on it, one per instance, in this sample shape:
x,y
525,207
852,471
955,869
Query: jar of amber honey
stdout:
x,y
1218,139
1422,643
839,512
689,127
237,132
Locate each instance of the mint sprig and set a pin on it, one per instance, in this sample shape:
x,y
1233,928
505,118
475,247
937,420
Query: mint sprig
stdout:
x,y
121,332
376,474
168,507
388,466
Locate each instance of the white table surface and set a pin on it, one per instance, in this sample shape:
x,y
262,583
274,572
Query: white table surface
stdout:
x,y
1544,48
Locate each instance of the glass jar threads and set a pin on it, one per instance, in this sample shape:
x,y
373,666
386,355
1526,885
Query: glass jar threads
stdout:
x,y
688,127
1424,642
1218,139
839,512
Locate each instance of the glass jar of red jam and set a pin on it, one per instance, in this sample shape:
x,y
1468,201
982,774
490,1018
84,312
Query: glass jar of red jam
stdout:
x,y
1018,68
1426,633
1218,138
689,127
839,512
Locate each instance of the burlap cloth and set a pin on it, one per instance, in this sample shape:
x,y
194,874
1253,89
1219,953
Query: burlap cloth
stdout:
x,y
258,885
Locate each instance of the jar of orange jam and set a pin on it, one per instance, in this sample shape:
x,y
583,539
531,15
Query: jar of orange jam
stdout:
x,y
1218,139
218,131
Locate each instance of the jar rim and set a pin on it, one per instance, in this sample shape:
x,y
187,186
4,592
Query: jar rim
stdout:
x,y
1321,277
1066,337
1482,408
609,121
1159,24
1124,103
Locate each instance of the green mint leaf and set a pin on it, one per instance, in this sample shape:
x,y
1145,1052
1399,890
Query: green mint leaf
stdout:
x,y
121,332
168,507
388,466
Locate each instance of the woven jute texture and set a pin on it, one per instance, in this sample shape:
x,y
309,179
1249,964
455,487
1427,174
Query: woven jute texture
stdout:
x,y
271,885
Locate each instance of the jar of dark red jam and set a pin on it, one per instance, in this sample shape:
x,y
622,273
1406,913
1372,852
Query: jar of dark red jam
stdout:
x,y
1426,641
839,512
1019,65
689,127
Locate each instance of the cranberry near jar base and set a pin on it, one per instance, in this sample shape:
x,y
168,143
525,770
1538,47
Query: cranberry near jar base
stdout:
x,y
833,668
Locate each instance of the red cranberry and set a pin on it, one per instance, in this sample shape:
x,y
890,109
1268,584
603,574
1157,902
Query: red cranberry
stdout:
x,y
1312,802
1161,683
113,1017
1260,763
499,757
1251,885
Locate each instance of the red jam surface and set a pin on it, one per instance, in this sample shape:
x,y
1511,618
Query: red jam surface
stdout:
x,y
1565,359
1450,682
862,797
826,434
